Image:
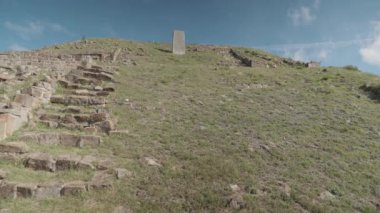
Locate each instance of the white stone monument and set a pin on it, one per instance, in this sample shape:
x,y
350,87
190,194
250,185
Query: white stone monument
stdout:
x,y
179,43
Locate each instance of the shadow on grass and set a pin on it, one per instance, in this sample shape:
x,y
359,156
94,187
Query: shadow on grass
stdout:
x,y
163,50
373,92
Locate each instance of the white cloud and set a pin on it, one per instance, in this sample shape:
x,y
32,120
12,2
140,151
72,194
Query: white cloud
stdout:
x,y
34,29
304,15
299,55
17,47
301,16
371,52
316,4
323,54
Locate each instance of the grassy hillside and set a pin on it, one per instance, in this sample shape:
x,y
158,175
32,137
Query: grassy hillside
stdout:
x,y
230,138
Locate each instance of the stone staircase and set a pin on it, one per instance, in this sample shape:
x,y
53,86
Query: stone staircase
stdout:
x,y
76,116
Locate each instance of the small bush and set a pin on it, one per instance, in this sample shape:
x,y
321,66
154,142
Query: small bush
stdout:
x,y
372,90
351,67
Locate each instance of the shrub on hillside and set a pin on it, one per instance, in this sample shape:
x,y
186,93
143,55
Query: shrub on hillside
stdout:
x,y
351,67
372,90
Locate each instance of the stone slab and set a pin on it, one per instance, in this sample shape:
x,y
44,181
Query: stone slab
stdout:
x,y
179,43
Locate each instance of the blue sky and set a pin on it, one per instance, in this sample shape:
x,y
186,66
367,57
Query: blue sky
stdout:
x,y
336,32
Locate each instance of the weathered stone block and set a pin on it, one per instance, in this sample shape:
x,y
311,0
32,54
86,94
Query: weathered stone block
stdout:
x,y
121,173
69,140
7,190
105,126
37,92
74,188
41,161
67,162
89,140
3,128
3,174
101,180
179,45
26,100
115,55
48,191
42,138
25,190
86,163
14,147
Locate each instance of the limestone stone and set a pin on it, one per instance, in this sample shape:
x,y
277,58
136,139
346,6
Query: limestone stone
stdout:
x,y
82,92
9,123
98,88
119,132
89,140
152,161
101,180
90,130
326,195
6,77
86,162
25,100
44,191
74,188
3,129
99,76
42,138
105,126
77,100
87,61
14,147
26,190
67,162
76,79
50,117
68,119
69,140
121,173
41,161
104,164
3,174
179,45
7,190
34,91
72,109
115,55
51,124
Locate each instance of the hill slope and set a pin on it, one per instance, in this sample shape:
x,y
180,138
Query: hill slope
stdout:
x,y
208,134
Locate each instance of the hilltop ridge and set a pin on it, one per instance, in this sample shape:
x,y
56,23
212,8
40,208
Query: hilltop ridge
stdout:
x,y
128,126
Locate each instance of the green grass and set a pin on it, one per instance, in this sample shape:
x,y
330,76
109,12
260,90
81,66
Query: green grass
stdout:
x,y
210,127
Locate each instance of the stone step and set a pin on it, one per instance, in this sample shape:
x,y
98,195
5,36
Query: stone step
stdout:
x,y
95,69
77,100
99,76
75,118
91,123
65,162
65,139
85,92
77,79
14,147
69,85
12,190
